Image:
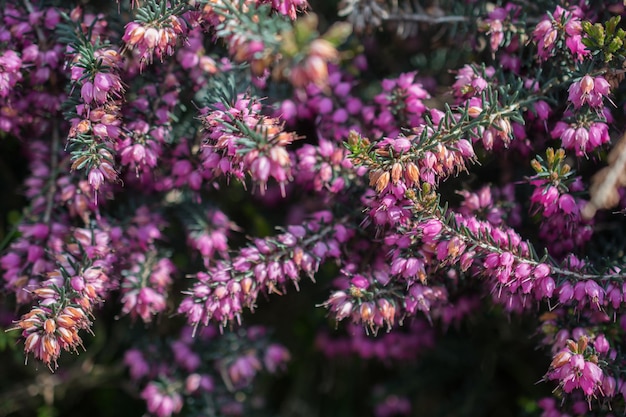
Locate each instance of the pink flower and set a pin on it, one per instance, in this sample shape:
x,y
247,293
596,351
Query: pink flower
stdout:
x,y
430,230
562,24
574,372
601,344
588,90
243,370
135,360
161,402
275,358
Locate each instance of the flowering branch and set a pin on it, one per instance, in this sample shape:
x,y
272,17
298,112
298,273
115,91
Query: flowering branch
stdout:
x,y
268,265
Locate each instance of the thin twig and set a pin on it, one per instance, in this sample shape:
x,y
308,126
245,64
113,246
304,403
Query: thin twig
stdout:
x,y
425,18
54,163
38,31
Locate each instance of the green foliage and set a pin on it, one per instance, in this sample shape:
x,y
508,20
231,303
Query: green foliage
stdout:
x,y
606,41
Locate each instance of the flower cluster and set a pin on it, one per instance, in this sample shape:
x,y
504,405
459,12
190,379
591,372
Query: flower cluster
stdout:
x,y
149,150
66,299
157,38
180,372
560,26
96,116
240,140
268,265
575,368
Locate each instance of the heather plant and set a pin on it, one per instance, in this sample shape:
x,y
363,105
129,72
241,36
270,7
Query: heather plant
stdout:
x,y
254,207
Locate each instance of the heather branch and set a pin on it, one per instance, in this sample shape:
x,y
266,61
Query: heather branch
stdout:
x,y
451,129
40,35
428,207
265,266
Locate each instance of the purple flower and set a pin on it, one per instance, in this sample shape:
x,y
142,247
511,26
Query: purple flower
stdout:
x,y
160,402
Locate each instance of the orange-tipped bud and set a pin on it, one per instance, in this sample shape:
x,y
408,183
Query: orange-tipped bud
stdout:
x,y
298,253
84,303
90,291
382,181
412,173
582,344
279,155
31,342
504,127
45,292
76,313
33,312
586,84
387,310
560,359
64,320
246,285
220,292
108,119
374,176
83,126
51,345
49,326
136,35
474,111
366,311
571,345
67,336
396,172
151,37
27,324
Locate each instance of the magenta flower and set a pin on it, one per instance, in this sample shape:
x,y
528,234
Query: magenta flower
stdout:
x,y
562,24
588,90
470,83
242,370
160,401
275,358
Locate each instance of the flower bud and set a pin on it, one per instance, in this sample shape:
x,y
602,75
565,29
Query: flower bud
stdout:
x,y
382,181
412,173
49,326
151,37
344,310
560,359
474,111
396,172
586,84
366,311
